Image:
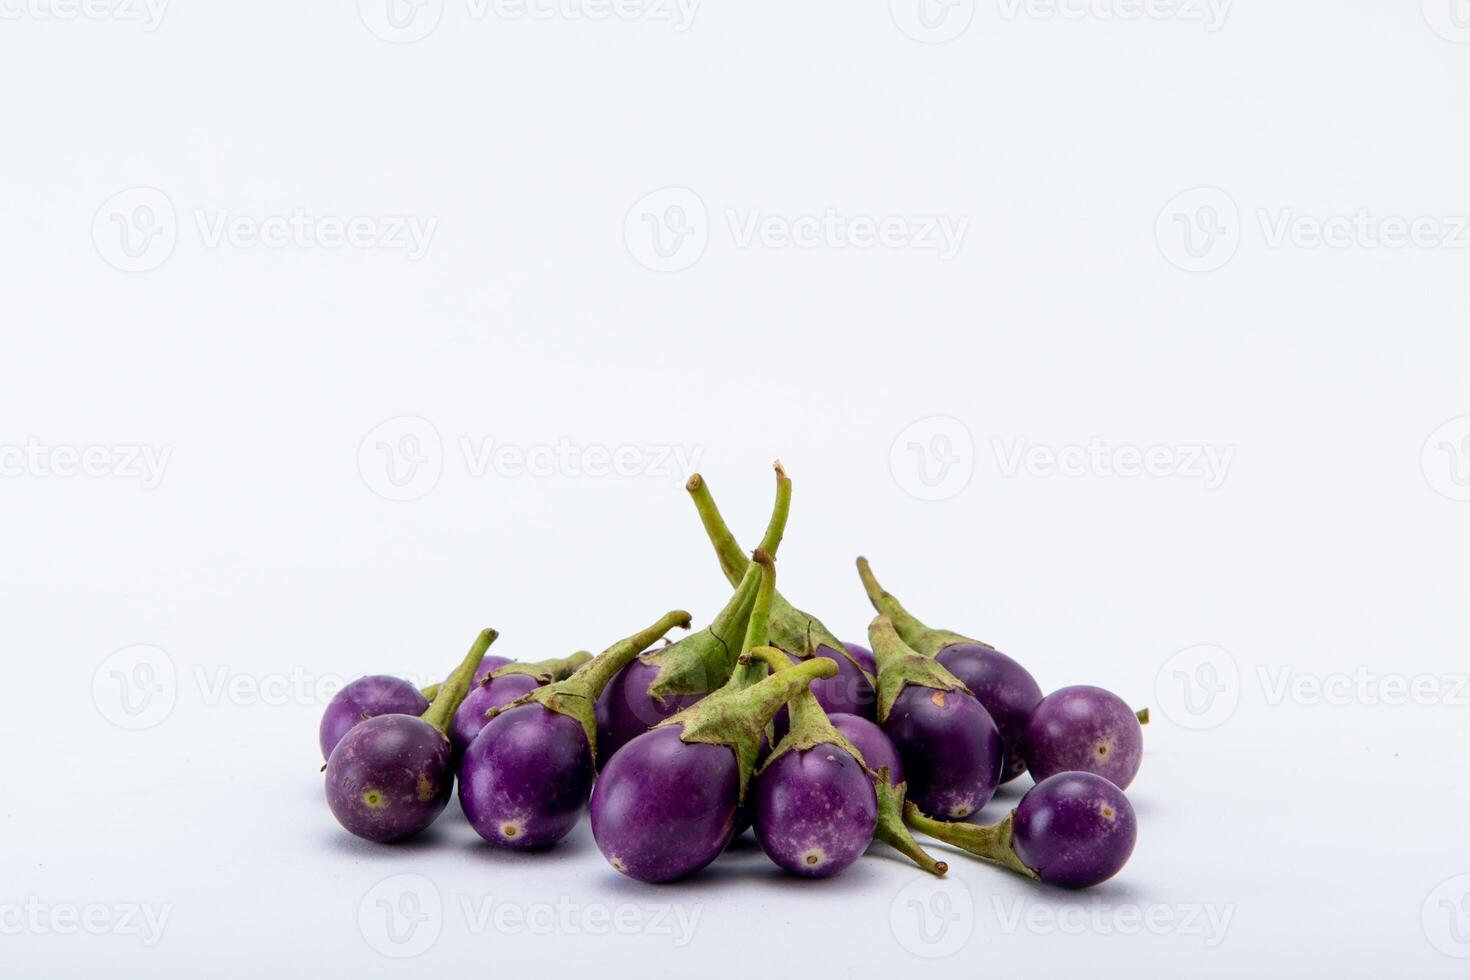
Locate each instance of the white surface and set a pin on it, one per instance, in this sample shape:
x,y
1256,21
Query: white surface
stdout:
x,y
1330,835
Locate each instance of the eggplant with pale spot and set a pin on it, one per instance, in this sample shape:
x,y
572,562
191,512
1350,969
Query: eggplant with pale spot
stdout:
x,y
950,747
525,777
1072,829
391,776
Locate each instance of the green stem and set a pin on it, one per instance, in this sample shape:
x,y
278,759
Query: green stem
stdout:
x,y
993,842
591,679
734,561
545,671
892,831
885,602
576,697
431,692
760,612
454,690
1142,714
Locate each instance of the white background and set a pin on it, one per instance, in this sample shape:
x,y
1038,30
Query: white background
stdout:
x,y
1325,830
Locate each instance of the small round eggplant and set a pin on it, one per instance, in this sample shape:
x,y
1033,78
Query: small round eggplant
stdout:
x,y
815,810
950,748
1084,729
525,777
364,698
493,692
1004,688
875,747
1074,829
663,808
391,776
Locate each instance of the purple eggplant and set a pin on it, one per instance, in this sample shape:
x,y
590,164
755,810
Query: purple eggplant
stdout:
x,y
876,748
364,698
496,689
391,776
524,779
950,747
1085,729
1072,829
665,805
1002,686
814,808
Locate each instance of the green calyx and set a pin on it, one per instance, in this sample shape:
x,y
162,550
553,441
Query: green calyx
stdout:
x,y
576,696
1142,715
737,717
798,633
701,662
811,727
453,691
546,671
899,666
921,638
993,843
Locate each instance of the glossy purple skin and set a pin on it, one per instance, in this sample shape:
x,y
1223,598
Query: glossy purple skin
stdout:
x,y
1004,688
626,709
1074,829
364,698
815,811
1084,729
389,777
488,666
848,691
663,808
497,693
525,778
950,750
875,747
